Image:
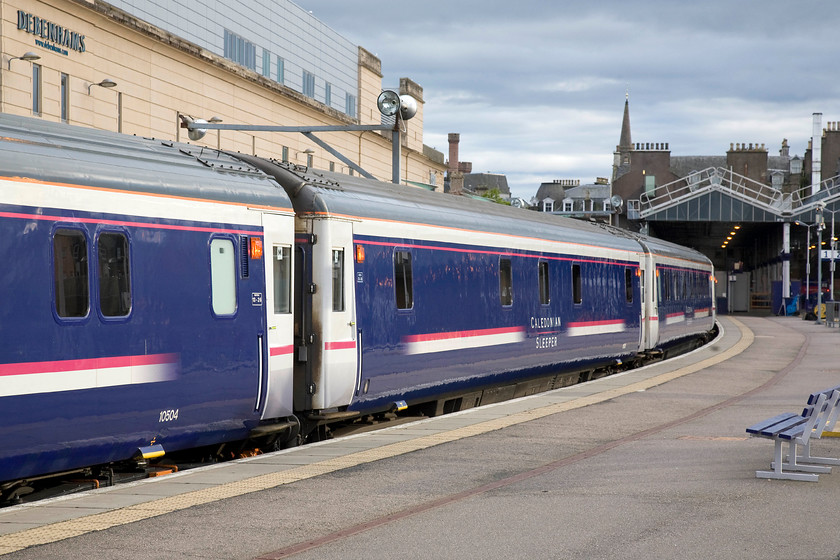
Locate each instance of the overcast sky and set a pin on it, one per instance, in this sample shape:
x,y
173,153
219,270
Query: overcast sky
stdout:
x,y
536,88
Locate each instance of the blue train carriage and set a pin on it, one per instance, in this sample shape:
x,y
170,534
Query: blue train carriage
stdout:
x,y
421,297
682,292
136,319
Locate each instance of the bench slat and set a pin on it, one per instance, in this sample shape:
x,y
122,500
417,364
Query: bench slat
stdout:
x,y
812,398
775,429
765,424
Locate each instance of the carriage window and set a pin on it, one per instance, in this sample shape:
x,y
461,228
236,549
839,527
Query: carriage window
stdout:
x,y
505,282
282,279
628,285
403,283
338,280
545,295
577,291
71,273
114,277
223,276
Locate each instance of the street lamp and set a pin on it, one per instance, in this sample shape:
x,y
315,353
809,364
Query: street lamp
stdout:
x,y
106,83
28,57
401,107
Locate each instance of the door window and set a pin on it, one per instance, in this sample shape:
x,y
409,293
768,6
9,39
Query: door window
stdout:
x,y
282,265
223,276
338,280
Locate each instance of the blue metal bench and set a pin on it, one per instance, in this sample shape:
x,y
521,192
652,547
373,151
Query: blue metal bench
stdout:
x,y
797,430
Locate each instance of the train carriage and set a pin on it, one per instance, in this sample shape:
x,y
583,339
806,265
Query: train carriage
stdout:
x,y
133,318
458,302
162,296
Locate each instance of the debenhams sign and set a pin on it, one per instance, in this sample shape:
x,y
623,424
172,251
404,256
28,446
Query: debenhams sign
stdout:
x,y
57,35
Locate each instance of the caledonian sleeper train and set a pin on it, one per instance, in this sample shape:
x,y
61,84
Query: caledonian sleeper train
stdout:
x,y
160,297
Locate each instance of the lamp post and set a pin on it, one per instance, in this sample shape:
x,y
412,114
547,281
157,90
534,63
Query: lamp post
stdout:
x,y
820,227
807,260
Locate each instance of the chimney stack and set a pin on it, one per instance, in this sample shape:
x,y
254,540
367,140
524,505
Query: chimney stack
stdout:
x,y
454,139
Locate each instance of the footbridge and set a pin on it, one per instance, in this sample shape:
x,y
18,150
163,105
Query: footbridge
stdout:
x,y
717,194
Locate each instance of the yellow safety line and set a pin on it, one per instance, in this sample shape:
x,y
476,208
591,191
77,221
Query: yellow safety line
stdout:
x,y
105,520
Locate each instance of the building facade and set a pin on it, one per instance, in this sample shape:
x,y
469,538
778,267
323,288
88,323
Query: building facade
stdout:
x,y
243,62
567,197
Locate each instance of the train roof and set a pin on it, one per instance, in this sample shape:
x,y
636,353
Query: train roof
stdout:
x,y
324,192
57,152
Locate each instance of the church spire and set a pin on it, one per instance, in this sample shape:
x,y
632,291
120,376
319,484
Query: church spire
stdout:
x,y
625,143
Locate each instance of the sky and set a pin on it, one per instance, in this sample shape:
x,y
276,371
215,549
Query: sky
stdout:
x,y
536,88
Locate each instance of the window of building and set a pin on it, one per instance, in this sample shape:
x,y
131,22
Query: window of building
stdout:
x,y
114,275
650,185
36,90
403,281
281,70
505,282
240,50
223,276
338,280
328,94
548,205
568,205
266,63
350,105
310,159
119,111
545,294
577,288
332,166
628,285
282,279
70,269
308,84
285,153
65,97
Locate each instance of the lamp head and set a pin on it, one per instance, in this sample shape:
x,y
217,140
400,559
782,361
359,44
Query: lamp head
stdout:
x,y
388,103
197,134
408,107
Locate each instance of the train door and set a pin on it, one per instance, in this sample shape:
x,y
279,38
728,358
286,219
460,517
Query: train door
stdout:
x,y
279,271
327,351
643,315
651,302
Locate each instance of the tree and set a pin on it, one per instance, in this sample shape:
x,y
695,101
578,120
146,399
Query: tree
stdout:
x,y
495,196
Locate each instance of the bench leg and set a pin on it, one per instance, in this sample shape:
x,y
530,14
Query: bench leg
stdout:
x,y
806,457
779,473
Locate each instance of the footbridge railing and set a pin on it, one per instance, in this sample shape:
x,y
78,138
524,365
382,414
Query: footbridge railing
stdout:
x,y
726,181
714,179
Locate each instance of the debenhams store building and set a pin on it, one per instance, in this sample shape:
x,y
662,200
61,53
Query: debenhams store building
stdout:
x,y
136,67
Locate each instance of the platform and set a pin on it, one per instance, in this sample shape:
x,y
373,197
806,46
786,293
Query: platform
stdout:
x,y
651,463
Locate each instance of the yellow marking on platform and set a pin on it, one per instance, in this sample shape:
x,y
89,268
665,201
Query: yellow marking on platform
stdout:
x,y
713,438
161,506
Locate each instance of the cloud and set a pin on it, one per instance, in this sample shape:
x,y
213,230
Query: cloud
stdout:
x,y
536,88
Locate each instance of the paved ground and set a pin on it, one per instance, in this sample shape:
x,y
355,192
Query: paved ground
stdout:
x,y
654,463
